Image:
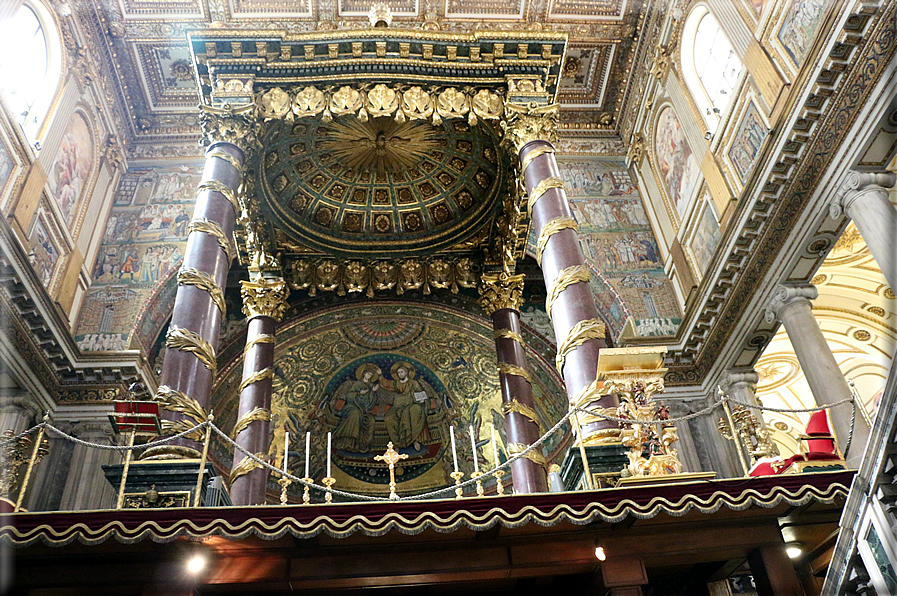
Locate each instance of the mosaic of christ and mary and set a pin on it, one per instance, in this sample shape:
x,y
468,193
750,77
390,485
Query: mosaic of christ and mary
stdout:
x,y
400,401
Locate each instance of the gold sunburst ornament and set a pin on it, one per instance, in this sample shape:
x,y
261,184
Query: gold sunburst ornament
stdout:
x,y
380,144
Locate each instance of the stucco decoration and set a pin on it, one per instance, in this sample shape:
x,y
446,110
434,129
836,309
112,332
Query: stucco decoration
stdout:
x,y
371,373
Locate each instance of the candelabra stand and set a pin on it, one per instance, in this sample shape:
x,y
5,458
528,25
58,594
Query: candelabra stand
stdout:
x,y
284,482
499,487
477,475
306,499
328,483
457,476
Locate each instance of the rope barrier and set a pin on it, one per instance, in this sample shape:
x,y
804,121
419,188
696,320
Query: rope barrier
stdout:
x,y
449,489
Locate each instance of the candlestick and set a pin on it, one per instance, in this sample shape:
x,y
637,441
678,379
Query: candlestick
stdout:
x,y
473,448
328,483
284,482
457,476
454,451
306,498
286,450
476,475
328,455
499,487
494,445
307,450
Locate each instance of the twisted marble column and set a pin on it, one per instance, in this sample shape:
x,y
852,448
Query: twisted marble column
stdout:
x,y
264,302
570,303
501,296
192,339
791,305
865,201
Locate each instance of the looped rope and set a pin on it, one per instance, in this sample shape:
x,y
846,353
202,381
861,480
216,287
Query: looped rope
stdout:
x,y
161,441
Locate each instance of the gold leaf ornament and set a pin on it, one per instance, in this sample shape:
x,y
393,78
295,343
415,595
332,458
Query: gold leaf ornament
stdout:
x,y
488,105
451,103
346,100
309,101
246,466
178,401
189,341
274,103
382,101
248,418
417,104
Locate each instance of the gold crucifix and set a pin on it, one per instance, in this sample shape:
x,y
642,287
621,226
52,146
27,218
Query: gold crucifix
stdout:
x,y
391,457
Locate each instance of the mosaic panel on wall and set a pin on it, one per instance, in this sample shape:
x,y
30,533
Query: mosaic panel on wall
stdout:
x,y
619,246
143,244
678,167
71,172
371,373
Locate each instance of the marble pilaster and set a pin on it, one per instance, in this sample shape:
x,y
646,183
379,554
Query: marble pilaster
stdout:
x,y
86,487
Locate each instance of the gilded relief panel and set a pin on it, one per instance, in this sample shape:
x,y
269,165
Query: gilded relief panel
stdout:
x,y
486,9
143,244
270,8
395,372
587,9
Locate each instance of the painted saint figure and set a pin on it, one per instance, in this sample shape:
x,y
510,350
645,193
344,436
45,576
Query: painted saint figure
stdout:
x,y
406,420
355,431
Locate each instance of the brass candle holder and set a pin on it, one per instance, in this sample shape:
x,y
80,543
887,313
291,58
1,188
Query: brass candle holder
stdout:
x,y
328,482
306,498
499,487
391,457
284,482
476,475
457,476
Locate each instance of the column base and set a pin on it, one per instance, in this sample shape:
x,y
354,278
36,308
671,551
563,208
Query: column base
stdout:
x,y
606,463
165,483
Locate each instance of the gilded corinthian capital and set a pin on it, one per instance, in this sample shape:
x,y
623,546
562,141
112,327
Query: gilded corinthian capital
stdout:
x,y
530,123
234,126
500,290
264,297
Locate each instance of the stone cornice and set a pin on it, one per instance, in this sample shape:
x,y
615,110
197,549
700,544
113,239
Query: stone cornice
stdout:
x,y
829,107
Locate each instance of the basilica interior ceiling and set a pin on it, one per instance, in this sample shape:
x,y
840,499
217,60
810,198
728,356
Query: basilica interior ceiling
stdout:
x,y
145,61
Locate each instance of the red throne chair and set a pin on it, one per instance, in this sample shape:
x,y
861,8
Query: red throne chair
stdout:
x,y
818,451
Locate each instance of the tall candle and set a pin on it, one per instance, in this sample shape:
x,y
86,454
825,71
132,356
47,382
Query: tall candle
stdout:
x,y
473,448
494,445
307,450
328,456
286,450
454,451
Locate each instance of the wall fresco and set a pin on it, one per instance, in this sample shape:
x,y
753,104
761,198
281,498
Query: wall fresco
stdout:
x,y
371,373
679,168
747,141
142,247
706,238
71,171
799,27
43,252
617,243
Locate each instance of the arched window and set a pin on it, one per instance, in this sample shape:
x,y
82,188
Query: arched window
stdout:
x,y
30,67
709,64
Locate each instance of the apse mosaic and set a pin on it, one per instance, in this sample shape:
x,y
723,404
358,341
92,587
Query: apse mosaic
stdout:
x,y
374,373
408,186
619,246
143,244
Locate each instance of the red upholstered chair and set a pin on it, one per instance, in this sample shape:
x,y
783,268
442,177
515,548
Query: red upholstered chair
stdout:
x,y
818,442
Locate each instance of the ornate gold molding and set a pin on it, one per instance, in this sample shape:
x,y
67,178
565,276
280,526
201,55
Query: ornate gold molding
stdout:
x,y
535,455
541,188
500,290
232,126
515,406
550,229
566,278
248,418
637,149
512,369
185,340
211,228
263,338
259,375
264,297
188,276
508,334
216,186
582,332
524,124
177,401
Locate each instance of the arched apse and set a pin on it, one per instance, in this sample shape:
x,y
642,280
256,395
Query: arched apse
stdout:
x,y
320,361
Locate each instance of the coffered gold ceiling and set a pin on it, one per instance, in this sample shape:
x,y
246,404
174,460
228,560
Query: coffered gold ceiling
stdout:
x,y
143,43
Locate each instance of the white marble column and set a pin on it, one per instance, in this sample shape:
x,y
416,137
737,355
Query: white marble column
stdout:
x,y
86,486
865,200
17,412
741,385
791,305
